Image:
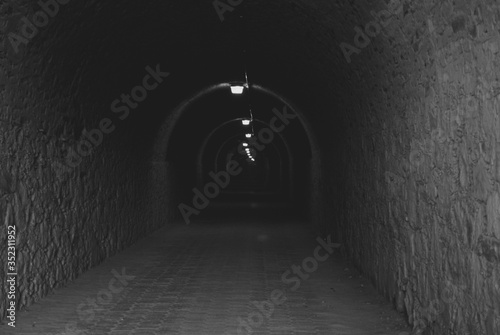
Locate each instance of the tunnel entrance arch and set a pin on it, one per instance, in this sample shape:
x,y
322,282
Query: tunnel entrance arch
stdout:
x,y
184,135
272,166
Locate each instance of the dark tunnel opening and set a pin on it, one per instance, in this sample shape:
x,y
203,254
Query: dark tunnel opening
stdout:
x,y
115,116
233,155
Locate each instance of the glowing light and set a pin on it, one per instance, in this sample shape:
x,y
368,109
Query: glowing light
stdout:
x,y
245,144
237,89
248,135
245,122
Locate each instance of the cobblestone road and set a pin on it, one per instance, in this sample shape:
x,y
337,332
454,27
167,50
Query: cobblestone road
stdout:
x,y
212,277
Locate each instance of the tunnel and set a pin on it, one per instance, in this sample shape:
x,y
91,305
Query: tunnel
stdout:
x,y
205,146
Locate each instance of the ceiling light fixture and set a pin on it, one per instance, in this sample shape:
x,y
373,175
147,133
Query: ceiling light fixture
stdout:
x,y
237,89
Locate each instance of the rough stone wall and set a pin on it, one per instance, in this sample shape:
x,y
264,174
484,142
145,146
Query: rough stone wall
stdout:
x,y
422,188
67,220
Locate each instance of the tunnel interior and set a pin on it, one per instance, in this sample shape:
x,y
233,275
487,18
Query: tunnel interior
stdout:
x,y
258,133
113,112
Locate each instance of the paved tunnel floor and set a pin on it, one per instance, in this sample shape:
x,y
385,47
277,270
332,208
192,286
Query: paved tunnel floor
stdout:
x,y
208,278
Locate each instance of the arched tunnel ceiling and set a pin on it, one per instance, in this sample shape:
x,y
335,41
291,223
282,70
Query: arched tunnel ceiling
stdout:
x,y
99,50
219,112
